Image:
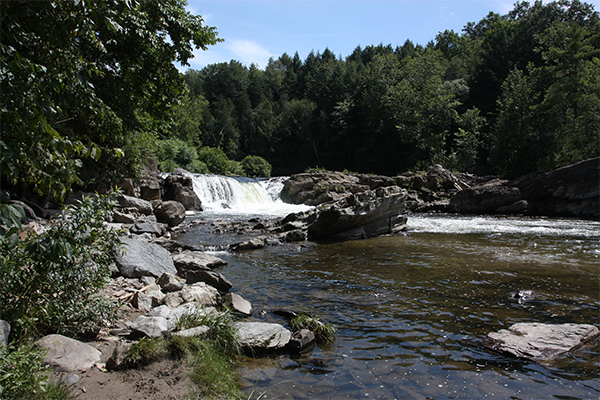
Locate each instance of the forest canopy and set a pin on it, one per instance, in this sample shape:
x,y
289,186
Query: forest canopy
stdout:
x,y
90,92
511,94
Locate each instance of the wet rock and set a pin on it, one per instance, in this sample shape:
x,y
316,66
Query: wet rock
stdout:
x,y
180,187
251,244
540,342
151,326
196,260
139,258
239,304
490,198
150,189
367,214
302,339
262,336
66,354
142,206
170,212
571,191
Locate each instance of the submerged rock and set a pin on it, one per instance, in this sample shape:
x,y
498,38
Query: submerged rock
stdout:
x,y
540,342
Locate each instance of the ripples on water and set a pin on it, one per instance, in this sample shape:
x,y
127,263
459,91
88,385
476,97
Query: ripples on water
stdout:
x,y
411,310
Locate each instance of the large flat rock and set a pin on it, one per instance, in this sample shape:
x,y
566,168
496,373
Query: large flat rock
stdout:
x,y
138,258
66,354
540,342
262,336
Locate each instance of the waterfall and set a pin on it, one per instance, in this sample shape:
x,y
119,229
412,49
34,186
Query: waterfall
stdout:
x,y
237,195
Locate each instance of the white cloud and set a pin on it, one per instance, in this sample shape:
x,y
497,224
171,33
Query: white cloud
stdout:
x,y
250,52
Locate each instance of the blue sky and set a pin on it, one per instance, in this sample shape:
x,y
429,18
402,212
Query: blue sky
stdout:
x,y
255,30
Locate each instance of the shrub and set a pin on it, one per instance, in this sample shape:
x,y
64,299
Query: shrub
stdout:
x,y
50,281
215,159
255,166
23,376
146,351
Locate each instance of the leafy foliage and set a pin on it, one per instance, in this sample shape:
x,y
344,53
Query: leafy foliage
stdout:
x,y
50,281
256,166
78,77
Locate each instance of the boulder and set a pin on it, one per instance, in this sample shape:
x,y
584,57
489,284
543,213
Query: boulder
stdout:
x,y
540,342
571,191
200,293
126,185
140,228
118,359
196,260
138,258
142,301
490,198
180,187
366,214
239,304
170,212
262,336
66,354
302,339
122,218
150,189
150,326
213,278
251,244
170,283
201,330
142,206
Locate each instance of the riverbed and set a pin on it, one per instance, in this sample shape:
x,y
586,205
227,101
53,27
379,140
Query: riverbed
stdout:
x,y
411,310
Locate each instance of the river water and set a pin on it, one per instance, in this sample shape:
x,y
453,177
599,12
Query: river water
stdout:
x,y
411,310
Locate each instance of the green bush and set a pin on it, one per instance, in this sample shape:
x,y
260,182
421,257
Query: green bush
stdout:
x,y
23,375
50,282
215,159
255,166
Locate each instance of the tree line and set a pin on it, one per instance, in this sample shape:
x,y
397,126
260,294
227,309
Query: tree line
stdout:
x,y
511,94
90,93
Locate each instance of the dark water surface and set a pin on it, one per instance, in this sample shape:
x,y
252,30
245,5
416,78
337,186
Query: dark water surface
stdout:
x,y
411,310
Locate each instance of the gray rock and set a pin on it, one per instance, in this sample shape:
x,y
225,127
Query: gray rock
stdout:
x,y
147,227
540,342
196,260
485,199
239,304
118,359
213,278
366,214
262,336
151,326
138,258
170,212
191,332
302,339
123,218
200,293
179,186
150,189
66,354
251,244
140,205
170,283
161,311
4,334
142,301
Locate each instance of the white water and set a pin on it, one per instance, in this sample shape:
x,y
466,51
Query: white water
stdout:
x,y
231,196
471,224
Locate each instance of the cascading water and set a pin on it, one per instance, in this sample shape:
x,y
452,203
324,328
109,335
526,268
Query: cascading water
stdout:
x,y
243,196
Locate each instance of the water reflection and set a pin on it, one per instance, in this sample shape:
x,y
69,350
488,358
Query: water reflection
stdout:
x,y
411,310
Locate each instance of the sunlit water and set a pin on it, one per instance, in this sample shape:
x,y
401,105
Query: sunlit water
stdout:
x,y
411,310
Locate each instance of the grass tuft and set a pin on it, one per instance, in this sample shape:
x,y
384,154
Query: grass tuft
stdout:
x,y
324,331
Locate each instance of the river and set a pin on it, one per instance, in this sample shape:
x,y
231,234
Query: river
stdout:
x,y
411,310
